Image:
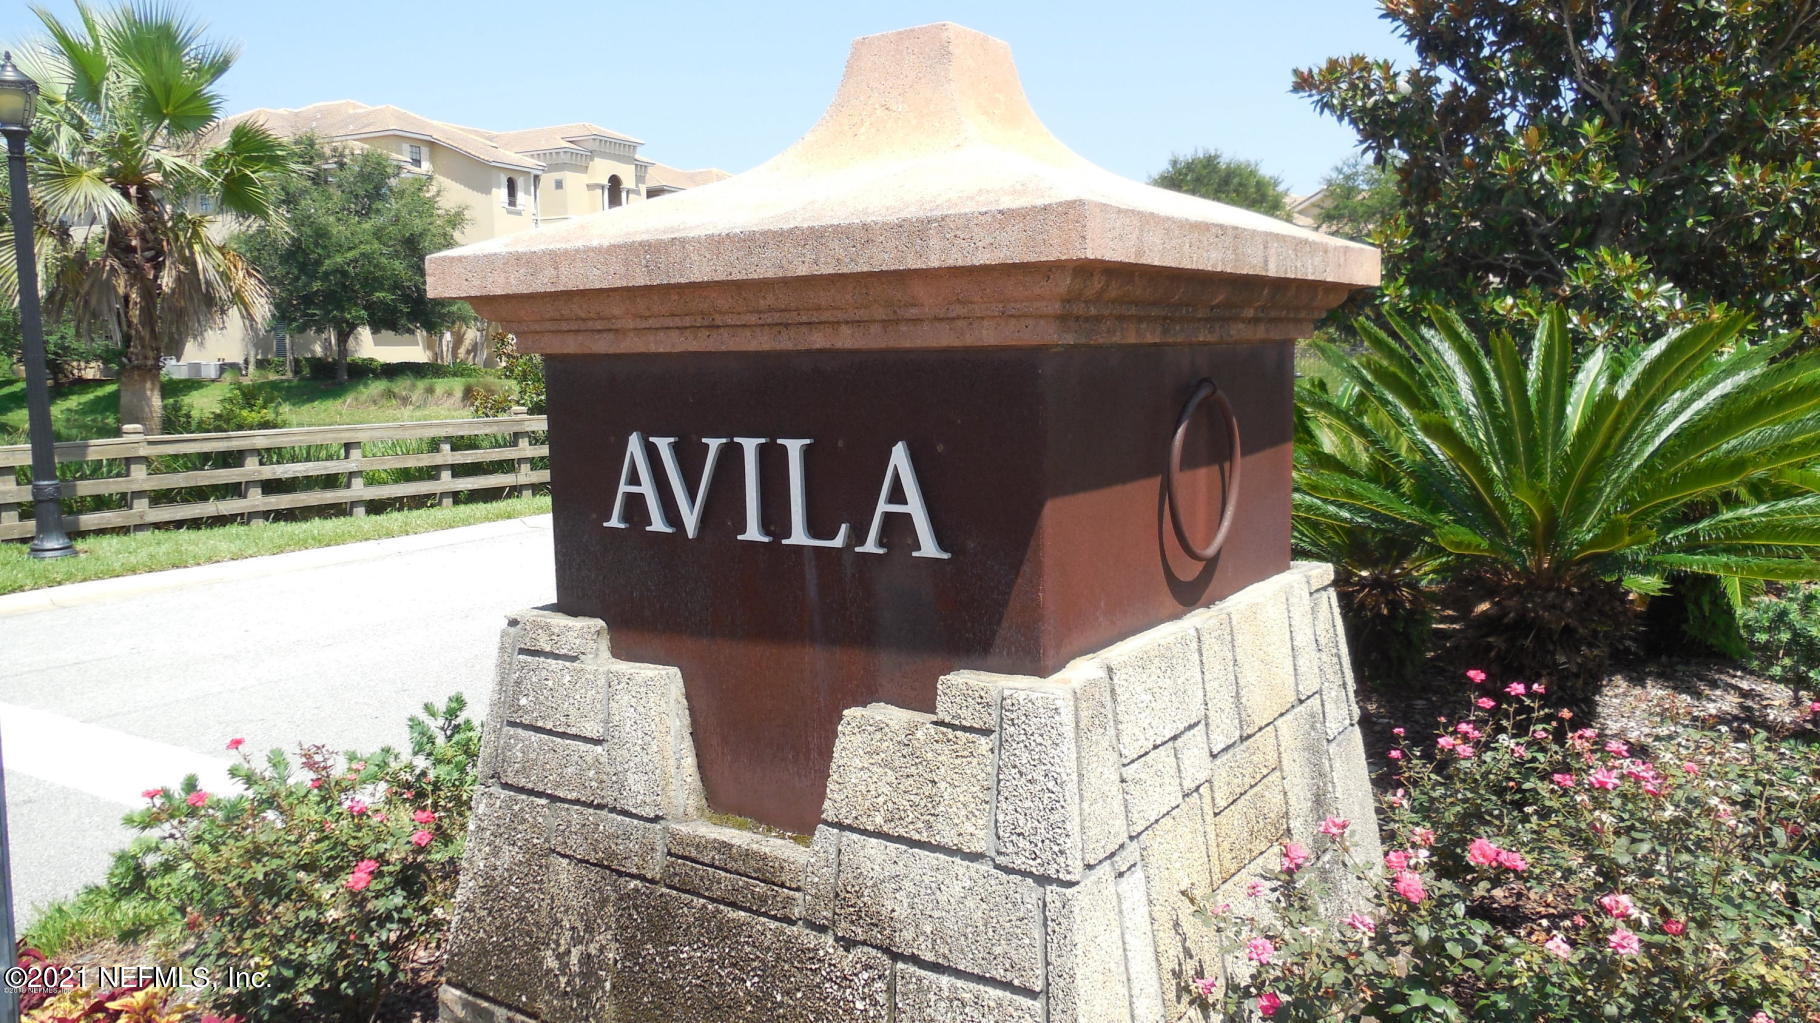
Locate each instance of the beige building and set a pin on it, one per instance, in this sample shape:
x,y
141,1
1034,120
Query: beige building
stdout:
x,y
506,181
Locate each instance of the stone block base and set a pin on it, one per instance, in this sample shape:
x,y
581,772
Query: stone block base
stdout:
x,y
1020,855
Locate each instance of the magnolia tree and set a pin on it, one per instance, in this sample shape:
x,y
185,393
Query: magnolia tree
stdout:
x,y
1633,158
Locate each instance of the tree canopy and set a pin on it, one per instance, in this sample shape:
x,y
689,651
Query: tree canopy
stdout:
x,y
126,140
1633,157
1211,174
351,252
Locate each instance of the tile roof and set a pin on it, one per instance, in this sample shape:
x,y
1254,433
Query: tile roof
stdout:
x,y
666,176
345,118
556,136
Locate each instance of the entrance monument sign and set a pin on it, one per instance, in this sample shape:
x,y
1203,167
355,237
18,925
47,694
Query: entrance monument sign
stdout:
x,y
925,491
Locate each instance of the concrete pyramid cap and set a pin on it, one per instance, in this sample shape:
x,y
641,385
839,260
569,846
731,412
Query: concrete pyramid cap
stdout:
x,y
929,157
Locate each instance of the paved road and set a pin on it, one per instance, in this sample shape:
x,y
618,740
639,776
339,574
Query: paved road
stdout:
x,y
114,686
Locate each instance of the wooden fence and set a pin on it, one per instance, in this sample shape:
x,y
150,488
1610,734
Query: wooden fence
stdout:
x,y
130,466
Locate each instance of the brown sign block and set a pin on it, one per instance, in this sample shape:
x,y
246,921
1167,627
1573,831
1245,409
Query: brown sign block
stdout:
x,y
1041,471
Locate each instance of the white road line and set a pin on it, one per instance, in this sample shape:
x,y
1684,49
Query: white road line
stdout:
x,y
98,761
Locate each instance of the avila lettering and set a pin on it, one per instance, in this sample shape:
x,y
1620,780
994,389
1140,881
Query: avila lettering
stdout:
x,y
636,480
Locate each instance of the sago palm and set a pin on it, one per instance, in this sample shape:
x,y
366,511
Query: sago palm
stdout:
x,y
123,168
1544,480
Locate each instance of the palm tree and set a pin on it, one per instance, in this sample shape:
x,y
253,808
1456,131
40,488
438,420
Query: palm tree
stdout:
x,y
125,162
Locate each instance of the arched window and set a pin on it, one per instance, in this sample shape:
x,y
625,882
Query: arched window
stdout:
x,y
511,192
616,195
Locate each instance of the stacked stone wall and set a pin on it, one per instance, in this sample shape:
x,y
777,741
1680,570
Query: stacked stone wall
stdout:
x,y
1019,855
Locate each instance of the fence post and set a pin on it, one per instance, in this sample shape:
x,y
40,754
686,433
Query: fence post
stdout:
x,y
521,439
252,489
137,467
356,478
445,472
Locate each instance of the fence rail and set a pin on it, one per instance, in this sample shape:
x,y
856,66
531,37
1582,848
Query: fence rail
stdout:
x,y
130,464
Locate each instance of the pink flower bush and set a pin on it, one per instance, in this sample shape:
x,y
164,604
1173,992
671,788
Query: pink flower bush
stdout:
x,y
356,807
424,817
1396,859
1269,1003
1295,857
1335,826
1260,950
1566,781
1512,861
1605,778
421,838
1481,853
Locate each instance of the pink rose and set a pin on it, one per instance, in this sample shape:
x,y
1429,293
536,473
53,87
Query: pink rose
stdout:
x,y
1516,689
1566,781
358,881
1269,1003
356,807
1260,950
1617,748
1205,986
1361,923
1559,948
1482,853
197,798
1512,861
1624,942
1519,750
152,793
1335,826
1447,742
315,783
1409,885
424,817
1485,703
1617,906
1396,860
1464,751
421,838
235,743
1605,778
1295,857
1690,769
1398,732
1395,754
1674,927
1475,675
1423,836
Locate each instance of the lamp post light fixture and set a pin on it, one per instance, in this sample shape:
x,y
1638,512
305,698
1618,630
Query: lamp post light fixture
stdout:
x,y
18,99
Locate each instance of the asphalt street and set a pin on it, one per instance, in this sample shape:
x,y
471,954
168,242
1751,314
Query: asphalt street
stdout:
x,y
115,686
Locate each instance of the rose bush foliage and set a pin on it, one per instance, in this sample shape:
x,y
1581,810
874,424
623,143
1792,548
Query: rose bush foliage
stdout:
x,y
334,875
1538,871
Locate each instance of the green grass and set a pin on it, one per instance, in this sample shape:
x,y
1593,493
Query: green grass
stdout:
x,y
107,556
99,914
90,409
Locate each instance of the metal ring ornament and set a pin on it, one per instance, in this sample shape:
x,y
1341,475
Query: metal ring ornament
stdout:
x,y
1202,391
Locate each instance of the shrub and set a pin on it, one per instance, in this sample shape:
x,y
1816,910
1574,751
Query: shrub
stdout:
x,y
1540,874
526,374
332,876
1547,483
1784,637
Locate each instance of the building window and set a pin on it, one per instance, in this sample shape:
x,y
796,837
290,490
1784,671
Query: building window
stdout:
x,y
616,195
205,204
556,184
511,193
416,155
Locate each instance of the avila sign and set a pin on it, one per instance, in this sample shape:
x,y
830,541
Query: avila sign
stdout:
x,y
925,491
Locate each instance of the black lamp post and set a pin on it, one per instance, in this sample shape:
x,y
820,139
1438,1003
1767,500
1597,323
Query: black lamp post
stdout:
x,y
18,97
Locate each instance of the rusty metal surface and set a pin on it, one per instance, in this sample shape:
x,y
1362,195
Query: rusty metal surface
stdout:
x,y
1044,475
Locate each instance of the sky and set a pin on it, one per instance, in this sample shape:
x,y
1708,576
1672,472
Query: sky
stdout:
x,y
731,84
